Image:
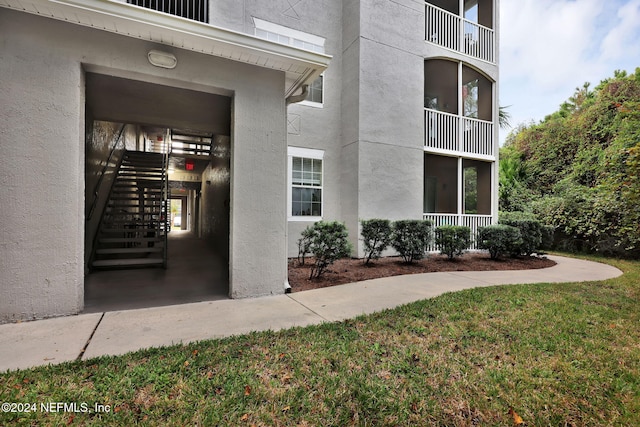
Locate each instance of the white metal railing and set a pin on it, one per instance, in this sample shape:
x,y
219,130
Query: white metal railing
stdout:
x,y
442,27
196,10
456,134
451,31
442,130
472,221
477,136
478,41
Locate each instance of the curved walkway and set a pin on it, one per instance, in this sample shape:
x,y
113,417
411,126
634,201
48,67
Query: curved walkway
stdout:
x,y
23,345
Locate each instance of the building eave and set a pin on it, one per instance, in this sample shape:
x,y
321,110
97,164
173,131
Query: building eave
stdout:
x,y
300,66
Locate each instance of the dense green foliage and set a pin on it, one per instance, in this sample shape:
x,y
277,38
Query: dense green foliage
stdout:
x,y
411,238
376,236
499,239
532,232
578,168
453,240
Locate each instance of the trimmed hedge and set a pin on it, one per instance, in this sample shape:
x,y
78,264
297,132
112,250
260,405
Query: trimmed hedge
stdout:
x,y
453,240
328,242
411,238
535,236
499,239
376,236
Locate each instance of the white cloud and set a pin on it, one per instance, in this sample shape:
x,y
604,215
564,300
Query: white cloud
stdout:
x,y
547,40
550,47
624,39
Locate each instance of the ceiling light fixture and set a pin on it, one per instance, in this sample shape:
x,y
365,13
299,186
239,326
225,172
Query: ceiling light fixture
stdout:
x,y
162,59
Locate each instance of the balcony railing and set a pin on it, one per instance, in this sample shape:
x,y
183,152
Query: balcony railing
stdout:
x,y
451,134
472,221
461,35
196,10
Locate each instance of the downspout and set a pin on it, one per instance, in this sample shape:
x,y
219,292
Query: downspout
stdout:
x,y
293,99
298,98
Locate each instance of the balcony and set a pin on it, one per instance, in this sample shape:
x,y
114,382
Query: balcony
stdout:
x,y
456,33
451,134
196,10
474,222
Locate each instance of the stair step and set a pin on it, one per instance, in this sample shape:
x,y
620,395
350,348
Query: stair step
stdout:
x,y
152,193
139,172
129,240
129,230
143,159
114,221
154,212
143,154
127,262
112,251
136,205
136,196
139,183
129,167
138,177
126,189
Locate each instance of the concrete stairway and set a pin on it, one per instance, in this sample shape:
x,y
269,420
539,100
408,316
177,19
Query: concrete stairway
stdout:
x,y
133,229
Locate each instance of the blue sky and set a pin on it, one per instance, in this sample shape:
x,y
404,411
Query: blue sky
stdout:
x,y
550,47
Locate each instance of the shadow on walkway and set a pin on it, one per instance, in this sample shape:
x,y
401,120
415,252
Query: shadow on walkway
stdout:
x,y
194,273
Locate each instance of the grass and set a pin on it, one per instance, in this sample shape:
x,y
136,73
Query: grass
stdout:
x,y
557,354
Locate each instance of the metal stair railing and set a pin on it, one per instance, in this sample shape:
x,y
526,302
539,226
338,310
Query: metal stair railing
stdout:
x,y
165,216
96,190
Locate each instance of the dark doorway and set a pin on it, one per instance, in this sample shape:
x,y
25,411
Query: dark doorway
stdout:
x,y
143,116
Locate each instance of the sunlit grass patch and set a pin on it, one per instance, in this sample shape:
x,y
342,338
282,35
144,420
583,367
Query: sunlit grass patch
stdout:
x,y
556,354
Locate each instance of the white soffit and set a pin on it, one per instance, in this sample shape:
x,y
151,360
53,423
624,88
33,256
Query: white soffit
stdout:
x,y
300,66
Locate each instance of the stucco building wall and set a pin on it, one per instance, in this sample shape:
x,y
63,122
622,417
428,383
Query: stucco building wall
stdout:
x,y
42,158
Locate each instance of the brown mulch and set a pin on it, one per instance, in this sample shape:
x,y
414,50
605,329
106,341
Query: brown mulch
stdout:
x,y
349,270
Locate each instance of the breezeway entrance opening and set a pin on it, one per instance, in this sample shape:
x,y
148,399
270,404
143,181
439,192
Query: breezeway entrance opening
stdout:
x,y
147,144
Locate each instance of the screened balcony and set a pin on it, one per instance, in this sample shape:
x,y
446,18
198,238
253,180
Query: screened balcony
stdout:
x,y
458,110
464,26
458,191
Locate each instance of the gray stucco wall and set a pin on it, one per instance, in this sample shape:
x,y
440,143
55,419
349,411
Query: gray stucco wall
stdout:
x,y
42,159
371,125
382,136
216,199
318,128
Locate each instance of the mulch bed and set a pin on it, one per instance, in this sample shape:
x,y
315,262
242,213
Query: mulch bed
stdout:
x,y
349,270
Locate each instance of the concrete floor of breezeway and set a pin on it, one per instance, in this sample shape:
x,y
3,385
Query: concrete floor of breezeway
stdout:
x,y
194,273
52,341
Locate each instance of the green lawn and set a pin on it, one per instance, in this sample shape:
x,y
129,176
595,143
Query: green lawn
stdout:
x,y
557,354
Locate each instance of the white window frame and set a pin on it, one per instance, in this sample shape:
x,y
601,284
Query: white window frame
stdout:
x,y
308,153
285,35
313,103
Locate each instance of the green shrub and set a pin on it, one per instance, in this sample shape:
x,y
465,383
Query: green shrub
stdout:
x,y
535,236
499,239
453,240
411,238
530,236
376,236
328,242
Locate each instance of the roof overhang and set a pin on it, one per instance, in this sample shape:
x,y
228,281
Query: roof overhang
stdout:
x,y
299,66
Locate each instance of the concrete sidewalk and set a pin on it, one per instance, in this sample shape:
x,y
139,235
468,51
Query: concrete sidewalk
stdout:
x,y
51,341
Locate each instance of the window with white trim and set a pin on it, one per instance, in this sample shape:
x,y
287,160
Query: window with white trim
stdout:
x,y
305,183
316,92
